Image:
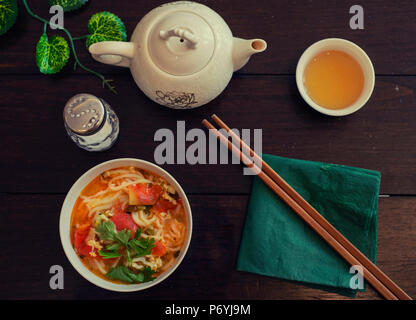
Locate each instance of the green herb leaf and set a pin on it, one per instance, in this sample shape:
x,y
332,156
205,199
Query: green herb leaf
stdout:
x,y
137,234
120,273
105,26
123,236
139,245
8,15
148,274
106,231
125,274
144,276
109,254
142,246
139,277
112,247
68,5
52,54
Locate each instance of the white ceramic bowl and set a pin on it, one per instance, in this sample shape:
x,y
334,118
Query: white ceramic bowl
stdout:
x,y
354,51
65,222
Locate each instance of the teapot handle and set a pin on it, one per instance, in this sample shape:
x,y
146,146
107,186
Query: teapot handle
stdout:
x,y
113,52
180,33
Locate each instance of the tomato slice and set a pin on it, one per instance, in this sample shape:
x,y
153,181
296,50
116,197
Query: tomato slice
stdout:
x,y
144,194
80,234
122,220
79,240
159,249
162,205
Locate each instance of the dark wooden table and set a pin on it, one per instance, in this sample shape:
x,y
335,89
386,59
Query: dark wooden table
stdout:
x,y
39,162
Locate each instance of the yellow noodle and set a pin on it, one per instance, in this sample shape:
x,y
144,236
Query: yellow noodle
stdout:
x,y
100,266
165,228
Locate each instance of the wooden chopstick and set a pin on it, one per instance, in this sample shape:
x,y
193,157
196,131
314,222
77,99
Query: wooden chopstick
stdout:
x,y
336,240
364,261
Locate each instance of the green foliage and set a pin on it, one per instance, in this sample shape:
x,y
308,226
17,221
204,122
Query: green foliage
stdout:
x,y
107,231
52,54
111,252
125,274
105,26
131,248
68,5
141,246
8,15
136,247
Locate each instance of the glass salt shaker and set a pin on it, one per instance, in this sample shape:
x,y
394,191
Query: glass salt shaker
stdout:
x,y
90,122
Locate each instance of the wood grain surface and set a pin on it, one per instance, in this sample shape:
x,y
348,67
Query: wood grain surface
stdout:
x,y
288,26
40,163
381,136
208,270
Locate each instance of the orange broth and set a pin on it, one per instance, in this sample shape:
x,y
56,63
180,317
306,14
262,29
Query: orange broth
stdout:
x,y
169,220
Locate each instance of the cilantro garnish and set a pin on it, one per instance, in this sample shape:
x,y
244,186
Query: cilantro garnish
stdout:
x,y
109,254
125,274
123,245
107,231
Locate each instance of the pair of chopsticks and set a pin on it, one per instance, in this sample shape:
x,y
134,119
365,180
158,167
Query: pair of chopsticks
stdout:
x,y
379,280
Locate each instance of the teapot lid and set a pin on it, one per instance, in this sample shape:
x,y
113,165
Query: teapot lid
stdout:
x,y
181,43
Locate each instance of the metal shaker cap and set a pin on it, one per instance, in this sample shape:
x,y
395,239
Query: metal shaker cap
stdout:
x,y
84,114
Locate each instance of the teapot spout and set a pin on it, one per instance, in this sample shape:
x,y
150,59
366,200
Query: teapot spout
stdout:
x,y
243,49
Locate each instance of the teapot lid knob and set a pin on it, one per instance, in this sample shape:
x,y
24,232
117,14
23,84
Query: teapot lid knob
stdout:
x,y
181,43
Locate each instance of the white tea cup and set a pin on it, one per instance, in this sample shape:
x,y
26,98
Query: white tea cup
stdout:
x,y
355,52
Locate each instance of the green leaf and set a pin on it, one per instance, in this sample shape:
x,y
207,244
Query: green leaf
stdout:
x,y
142,246
137,234
125,274
143,276
68,5
52,54
109,254
112,247
120,273
139,277
8,15
123,236
105,26
106,231
148,274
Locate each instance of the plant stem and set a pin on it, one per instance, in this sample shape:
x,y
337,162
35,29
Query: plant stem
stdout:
x,y
81,37
46,22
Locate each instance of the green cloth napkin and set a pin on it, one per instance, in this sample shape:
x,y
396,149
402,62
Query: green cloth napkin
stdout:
x,y
277,243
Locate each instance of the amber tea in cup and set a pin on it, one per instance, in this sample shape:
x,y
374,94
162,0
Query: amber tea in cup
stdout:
x,y
335,77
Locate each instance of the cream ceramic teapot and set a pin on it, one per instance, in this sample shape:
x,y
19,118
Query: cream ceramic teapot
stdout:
x,y
181,54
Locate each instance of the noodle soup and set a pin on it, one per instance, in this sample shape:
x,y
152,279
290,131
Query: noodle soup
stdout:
x,y
128,225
